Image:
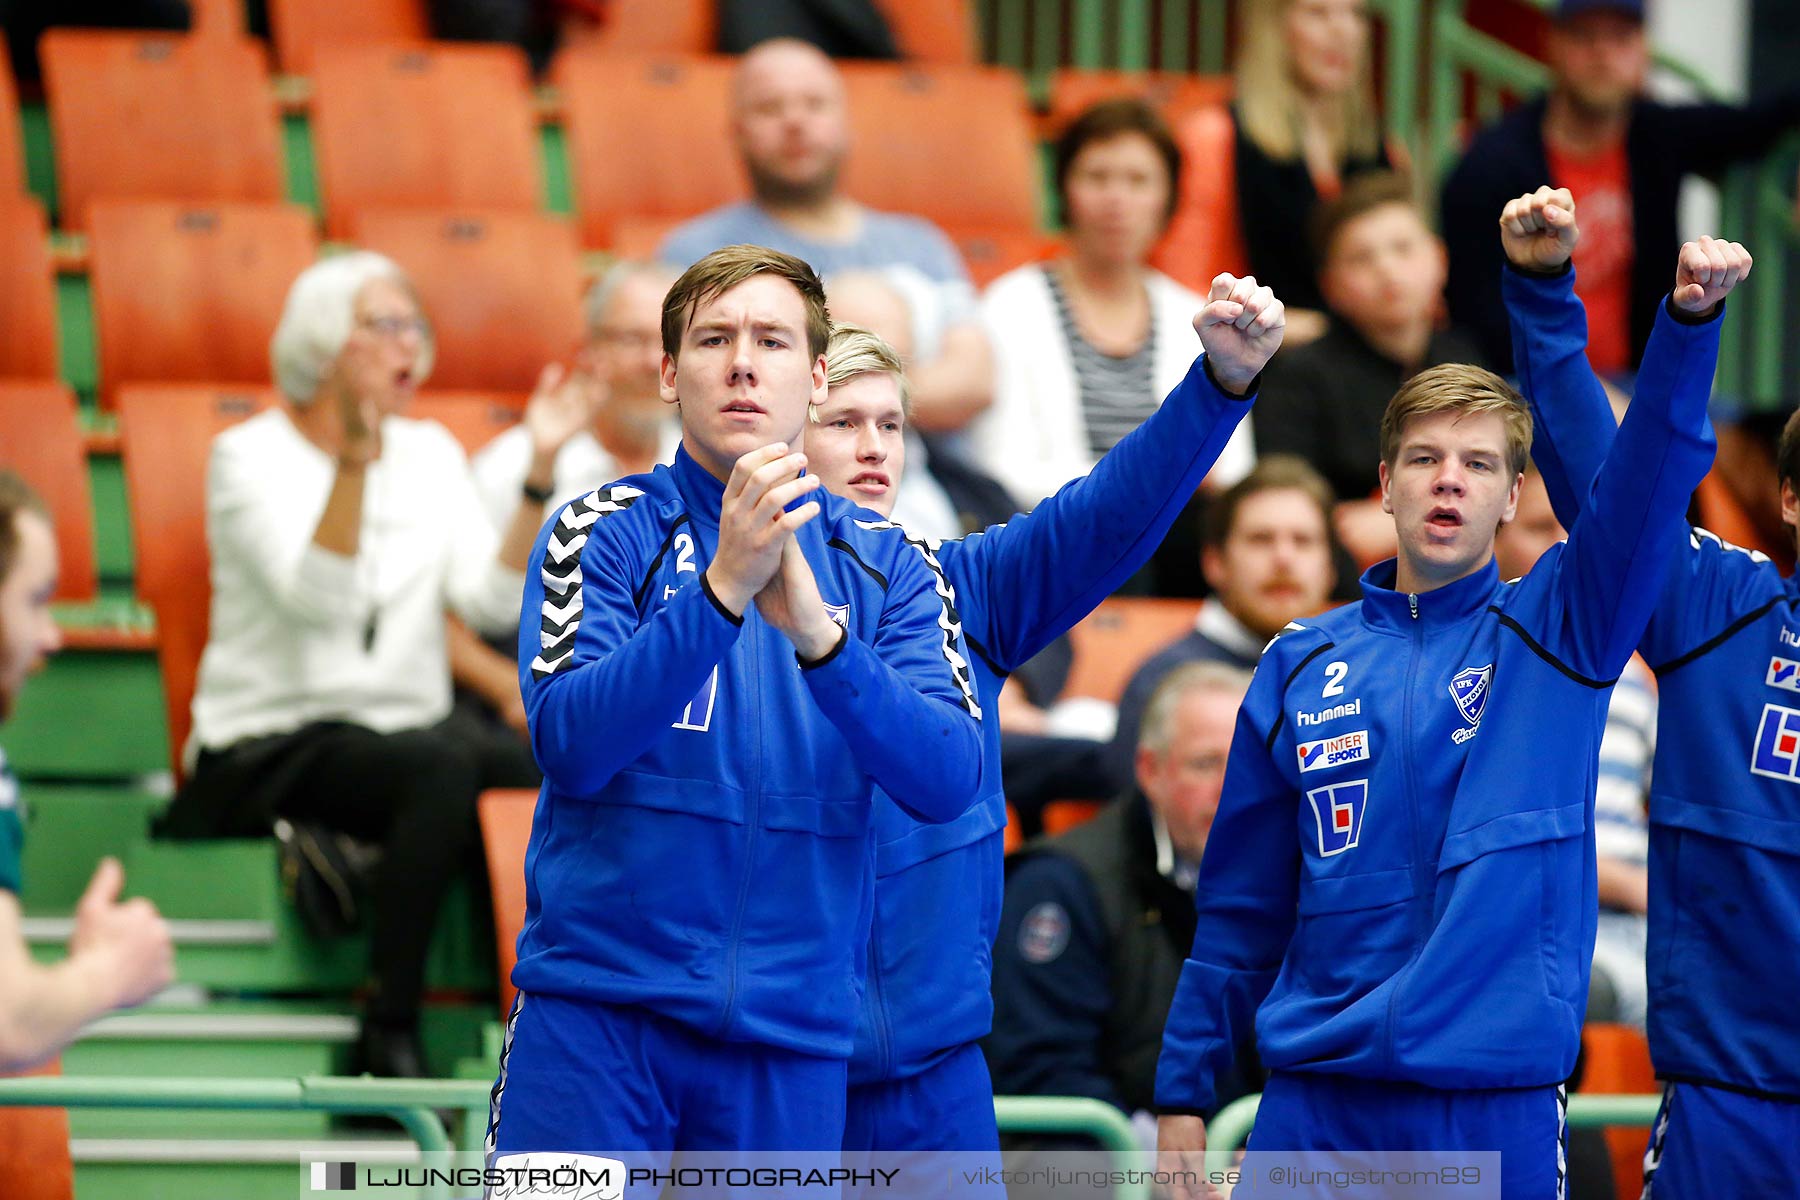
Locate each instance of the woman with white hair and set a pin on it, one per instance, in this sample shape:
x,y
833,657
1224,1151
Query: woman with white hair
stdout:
x,y
340,531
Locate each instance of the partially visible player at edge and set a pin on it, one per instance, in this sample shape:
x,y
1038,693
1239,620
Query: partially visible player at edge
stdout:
x,y
1408,922
120,953
918,1080
1724,641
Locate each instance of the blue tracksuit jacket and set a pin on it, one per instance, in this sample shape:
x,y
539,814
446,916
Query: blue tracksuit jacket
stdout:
x,y
1724,641
1400,880
703,843
1019,586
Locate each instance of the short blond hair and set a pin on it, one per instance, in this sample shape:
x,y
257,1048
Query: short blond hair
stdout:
x,y
1467,391
729,266
854,352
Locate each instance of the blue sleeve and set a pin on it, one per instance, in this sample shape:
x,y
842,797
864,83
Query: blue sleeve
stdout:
x,y
599,686
906,704
1572,418
1611,574
1246,900
1031,580
1052,973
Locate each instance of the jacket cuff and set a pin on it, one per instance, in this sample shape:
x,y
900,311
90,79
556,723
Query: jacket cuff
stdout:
x,y
815,663
1249,392
1533,273
1682,317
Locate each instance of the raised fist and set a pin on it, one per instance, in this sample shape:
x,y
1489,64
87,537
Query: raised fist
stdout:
x,y
1241,328
1538,229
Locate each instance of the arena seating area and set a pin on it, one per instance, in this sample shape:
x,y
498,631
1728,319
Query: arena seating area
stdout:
x,y
156,202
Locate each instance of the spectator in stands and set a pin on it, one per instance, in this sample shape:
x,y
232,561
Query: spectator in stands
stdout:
x,y
1266,553
1624,157
1621,823
792,129
1306,124
1088,345
1096,921
340,532
119,954
617,380
1381,271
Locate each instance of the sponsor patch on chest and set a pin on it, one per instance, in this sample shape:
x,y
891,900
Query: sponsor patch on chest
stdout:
x,y
1336,751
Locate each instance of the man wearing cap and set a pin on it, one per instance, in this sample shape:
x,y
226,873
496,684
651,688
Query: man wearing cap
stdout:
x,y
1624,157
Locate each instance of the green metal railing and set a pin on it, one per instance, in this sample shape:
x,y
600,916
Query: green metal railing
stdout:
x,y
415,1104
1231,1127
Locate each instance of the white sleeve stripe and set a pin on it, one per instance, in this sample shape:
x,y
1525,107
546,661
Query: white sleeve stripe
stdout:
x,y
561,614
948,620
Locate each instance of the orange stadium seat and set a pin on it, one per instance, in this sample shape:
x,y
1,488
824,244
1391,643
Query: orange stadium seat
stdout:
x,y
1174,94
473,418
40,438
1115,639
1012,839
991,253
950,143
937,31
1060,816
1617,1063
641,237
166,434
12,150
184,293
302,26
1205,236
159,116
217,17
505,815
423,126
502,290
27,292
665,115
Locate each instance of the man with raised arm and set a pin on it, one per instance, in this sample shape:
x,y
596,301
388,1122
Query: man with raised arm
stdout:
x,y
1400,883
918,1079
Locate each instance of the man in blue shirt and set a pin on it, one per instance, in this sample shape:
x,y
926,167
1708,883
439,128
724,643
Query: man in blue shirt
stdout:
x,y
1400,883
721,662
918,1080
1724,917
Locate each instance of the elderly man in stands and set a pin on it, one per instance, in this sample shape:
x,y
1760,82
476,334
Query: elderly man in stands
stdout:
x,y
616,380
1096,921
791,123
340,531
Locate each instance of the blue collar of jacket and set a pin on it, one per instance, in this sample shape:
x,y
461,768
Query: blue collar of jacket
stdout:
x,y
1403,612
701,494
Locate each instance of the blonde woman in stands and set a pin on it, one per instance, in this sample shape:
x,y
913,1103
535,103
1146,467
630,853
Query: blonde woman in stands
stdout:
x,y
340,532
120,953
1089,344
1306,122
